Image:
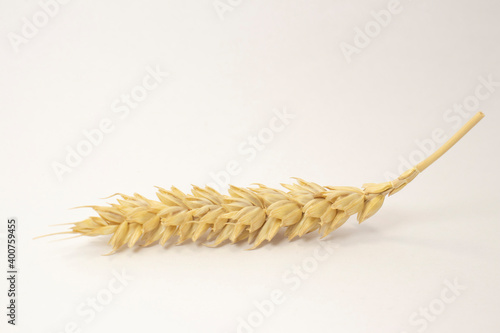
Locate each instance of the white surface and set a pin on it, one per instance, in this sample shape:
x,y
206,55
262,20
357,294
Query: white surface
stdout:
x,y
354,122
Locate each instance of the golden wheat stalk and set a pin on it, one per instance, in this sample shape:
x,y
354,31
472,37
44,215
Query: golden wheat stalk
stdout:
x,y
255,214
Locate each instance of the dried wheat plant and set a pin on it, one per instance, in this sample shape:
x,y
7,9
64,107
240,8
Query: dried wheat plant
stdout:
x,y
254,214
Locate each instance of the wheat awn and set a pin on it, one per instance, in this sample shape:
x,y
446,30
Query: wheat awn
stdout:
x,y
254,214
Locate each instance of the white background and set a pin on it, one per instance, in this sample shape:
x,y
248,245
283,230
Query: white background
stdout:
x,y
354,123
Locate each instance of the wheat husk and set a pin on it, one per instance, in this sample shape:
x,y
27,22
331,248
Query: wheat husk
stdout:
x,y
254,214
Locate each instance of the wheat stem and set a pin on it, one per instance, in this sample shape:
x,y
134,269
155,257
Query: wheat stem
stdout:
x,y
252,214
451,142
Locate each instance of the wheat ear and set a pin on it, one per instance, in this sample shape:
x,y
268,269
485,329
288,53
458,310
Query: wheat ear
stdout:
x,y
255,214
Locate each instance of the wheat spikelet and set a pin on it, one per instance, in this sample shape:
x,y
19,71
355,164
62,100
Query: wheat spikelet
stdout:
x,y
254,214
